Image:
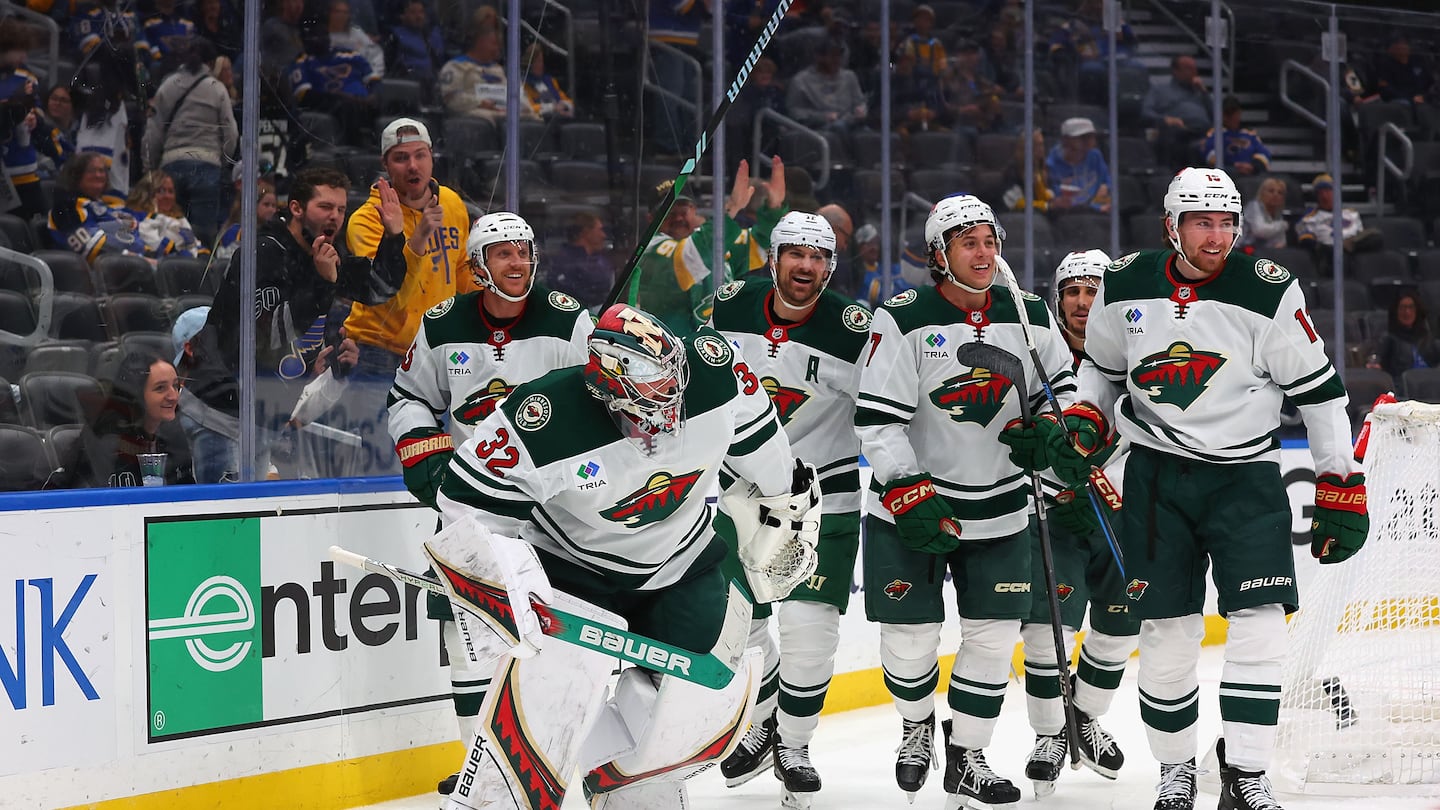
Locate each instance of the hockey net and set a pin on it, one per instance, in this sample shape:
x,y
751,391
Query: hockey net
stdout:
x,y
1361,708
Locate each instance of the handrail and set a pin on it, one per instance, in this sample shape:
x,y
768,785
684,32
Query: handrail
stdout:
x,y
45,302
1228,69
50,26
1290,65
760,159
569,50
911,198
697,103
1386,165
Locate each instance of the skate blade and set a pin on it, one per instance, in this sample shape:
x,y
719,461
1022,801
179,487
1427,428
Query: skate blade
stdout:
x,y
1043,789
764,765
796,801
910,795
1108,773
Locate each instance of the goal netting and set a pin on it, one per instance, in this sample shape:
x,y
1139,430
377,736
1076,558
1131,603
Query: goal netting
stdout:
x,y
1361,708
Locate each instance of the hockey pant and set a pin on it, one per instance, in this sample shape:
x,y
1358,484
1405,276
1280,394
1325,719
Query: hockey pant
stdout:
x,y
798,671
1097,676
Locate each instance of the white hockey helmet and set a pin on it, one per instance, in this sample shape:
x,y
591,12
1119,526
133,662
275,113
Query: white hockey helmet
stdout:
x,y
491,229
959,213
637,366
1080,265
1201,189
800,228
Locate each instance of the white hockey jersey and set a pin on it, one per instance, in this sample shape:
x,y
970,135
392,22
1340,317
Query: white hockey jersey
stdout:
x,y
811,370
920,410
551,467
460,365
1199,369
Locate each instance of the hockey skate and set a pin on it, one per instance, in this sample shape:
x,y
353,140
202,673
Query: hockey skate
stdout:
x,y
793,769
1176,790
968,779
916,755
1097,748
753,755
1243,790
1047,759
447,785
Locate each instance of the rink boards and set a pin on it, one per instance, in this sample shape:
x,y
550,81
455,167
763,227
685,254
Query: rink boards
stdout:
x,y
205,652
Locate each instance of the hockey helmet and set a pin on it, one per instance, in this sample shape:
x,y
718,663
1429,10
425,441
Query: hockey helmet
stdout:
x,y
957,213
1078,266
637,367
1201,189
491,229
800,228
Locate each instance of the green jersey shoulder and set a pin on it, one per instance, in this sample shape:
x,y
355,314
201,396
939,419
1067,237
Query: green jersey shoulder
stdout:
x,y
1253,283
838,326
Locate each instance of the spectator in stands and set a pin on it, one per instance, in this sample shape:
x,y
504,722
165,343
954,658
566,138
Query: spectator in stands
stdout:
x,y
1078,176
1265,225
103,22
60,110
190,135
335,81
85,219
187,325
923,45
917,103
1002,60
138,416
415,49
763,92
844,279
1400,77
265,209
344,33
1316,229
163,226
280,40
24,134
674,24
1180,110
542,91
583,266
105,83
872,282
1245,153
972,100
473,83
216,21
1408,342
168,31
224,70
1014,179
825,95
1082,44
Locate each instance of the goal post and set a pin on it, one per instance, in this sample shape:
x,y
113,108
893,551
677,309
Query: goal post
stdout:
x,y
1360,712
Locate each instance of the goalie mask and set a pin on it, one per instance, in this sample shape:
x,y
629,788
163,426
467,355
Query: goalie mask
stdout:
x,y
953,217
494,229
806,231
1201,189
637,368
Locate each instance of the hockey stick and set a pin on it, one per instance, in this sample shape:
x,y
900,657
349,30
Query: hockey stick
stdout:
x,y
997,360
663,209
703,669
1102,511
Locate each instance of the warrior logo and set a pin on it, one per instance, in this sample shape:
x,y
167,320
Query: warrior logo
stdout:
x,y
1063,591
1176,376
897,589
976,396
1136,589
787,400
483,402
654,502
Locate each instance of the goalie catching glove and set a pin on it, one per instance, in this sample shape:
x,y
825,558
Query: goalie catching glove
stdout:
x,y
925,521
776,535
1070,450
1341,517
424,454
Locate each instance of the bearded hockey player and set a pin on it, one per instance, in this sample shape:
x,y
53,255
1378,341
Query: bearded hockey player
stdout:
x,y
1087,574
468,354
805,343
1193,350
589,484
946,495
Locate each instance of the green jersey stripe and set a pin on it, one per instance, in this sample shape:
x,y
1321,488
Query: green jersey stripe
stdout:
x,y
754,441
887,404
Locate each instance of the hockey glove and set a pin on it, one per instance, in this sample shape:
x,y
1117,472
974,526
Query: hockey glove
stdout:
x,y
424,454
1073,513
1341,518
1071,451
1031,445
924,519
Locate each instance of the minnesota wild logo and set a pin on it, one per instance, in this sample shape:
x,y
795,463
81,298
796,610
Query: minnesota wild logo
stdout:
x,y
975,396
482,402
654,502
1176,376
787,400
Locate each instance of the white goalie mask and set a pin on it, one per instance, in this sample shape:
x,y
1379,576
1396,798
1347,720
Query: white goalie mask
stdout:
x,y
807,230
1202,189
952,217
492,229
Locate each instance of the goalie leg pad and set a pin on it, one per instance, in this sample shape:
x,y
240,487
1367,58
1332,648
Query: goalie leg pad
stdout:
x,y
809,637
535,717
912,672
1170,685
1250,685
492,578
1042,677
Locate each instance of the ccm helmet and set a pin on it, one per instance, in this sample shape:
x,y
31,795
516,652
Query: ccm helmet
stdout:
x,y
800,228
491,229
1079,265
1201,189
637,367
962,212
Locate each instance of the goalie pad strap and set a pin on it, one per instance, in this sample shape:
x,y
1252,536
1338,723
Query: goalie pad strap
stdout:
x,y
412,449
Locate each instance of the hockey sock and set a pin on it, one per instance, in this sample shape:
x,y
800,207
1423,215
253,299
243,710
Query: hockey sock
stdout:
x,y
1100,669
977,683
760,636
809,637
912,674
469,680
1042,677
1170,685
1250,685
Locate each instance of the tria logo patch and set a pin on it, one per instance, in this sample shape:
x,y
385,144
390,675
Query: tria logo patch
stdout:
x,y
1134,320
652,503
588,470
1136,589
1176,376
976,396
589,475
480,404
897,589
459,358
787,400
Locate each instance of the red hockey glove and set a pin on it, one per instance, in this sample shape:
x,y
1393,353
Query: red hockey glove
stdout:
x,y
924,519
424,454
1341,518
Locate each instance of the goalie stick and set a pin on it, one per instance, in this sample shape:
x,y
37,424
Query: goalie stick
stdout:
x,y
622,280
998,361
705,669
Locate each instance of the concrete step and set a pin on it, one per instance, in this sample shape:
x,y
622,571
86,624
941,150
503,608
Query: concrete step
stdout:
x,y
1271,132
1300,167
1161,63
1156,31
1168,48
1293,150
1253,99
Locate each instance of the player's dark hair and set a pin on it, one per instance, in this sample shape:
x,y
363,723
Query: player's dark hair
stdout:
x,y
303,189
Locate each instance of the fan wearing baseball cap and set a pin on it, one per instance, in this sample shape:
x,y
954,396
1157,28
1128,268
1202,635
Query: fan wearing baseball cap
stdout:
x,y
1076,170
436,225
